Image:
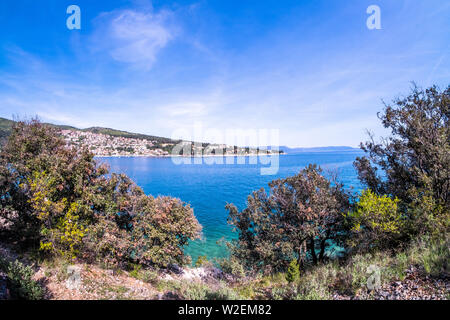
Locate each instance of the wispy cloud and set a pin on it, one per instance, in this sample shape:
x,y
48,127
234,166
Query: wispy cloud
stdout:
x,y
133,37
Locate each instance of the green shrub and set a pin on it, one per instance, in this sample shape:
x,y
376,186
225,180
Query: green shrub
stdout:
x,y
298,218
431,254
20,281
376,222
146,275
136,271
426,215
223,293
293,272
279,293
201,291
150,276
246,291
201,261
233,267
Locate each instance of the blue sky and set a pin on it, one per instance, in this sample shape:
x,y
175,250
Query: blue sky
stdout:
x,y
311,69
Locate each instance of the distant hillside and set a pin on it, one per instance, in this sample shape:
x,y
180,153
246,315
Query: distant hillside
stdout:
x,y
318,149
125,134
6,125
110,142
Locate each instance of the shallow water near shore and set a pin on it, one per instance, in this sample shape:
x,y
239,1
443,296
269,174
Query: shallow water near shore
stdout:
x,y
209,187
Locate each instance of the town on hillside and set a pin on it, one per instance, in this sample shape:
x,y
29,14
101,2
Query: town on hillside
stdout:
x,y
104,145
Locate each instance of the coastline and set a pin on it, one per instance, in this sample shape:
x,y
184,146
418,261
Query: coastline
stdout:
x,y
195,156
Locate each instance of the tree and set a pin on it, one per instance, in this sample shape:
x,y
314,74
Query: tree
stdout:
x,y
42,181
299,219
415,159
61,201
135,228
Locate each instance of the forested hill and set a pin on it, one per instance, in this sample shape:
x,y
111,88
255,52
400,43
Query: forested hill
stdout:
x,y
112,142
6,125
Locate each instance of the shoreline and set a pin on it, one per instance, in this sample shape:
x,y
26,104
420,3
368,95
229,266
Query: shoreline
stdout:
x,y
195,156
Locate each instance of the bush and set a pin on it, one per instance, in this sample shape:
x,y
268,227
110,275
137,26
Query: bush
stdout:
x,y
376,222
60,200
201,261
432,254
47,189
293,272
137,228
222,293
415,159
298,219
426,215
233,267
136,272
200,291
20,281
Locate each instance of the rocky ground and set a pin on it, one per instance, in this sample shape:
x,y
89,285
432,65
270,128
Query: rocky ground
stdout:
x,y
90,282
415,286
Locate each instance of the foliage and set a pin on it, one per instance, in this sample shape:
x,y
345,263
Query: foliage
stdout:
x,y
42,183
62,201
431,253
20,281
201,291
141,229
426,215
136,271
297,220
293,271
415,159
375,222
61,230
201,261
232,266
350,276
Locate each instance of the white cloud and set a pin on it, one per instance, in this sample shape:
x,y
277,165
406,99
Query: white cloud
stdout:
x,y
133,37
184,109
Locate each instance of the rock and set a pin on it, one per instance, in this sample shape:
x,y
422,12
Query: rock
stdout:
x,y
384,293
195,273
176,269
170,295
168,277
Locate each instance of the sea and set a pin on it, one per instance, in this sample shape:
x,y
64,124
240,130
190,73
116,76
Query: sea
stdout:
x,y
209,184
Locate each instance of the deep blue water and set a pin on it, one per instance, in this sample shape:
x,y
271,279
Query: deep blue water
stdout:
x,y
208,188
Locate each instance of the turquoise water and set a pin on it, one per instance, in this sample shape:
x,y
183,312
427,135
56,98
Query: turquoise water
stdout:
x,y
208,188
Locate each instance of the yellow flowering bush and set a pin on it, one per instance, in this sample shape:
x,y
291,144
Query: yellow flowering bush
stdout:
x,y
375,221
61,228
